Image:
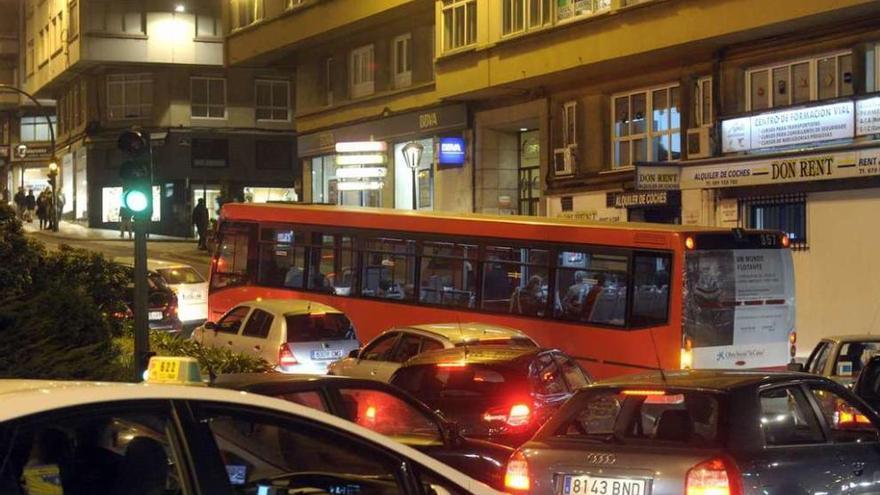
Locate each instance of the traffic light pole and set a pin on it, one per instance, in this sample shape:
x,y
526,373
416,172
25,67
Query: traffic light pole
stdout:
x,y
141,321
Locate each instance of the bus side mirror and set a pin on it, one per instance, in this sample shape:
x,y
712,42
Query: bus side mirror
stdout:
x,y
798,367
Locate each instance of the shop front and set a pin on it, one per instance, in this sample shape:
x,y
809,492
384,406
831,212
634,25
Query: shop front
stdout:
x,y
30,167
648,206
386,174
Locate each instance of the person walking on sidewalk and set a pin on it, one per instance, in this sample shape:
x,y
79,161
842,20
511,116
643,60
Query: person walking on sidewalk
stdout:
x,y
43,209
30,204
200,220
125,221
20,203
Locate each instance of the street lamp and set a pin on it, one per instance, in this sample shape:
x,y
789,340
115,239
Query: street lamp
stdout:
x,y
53,176
412,154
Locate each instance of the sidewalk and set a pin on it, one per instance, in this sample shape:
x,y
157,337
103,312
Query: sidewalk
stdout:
x,y
70,231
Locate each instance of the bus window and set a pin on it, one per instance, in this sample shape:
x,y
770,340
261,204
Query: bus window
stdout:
x,y
591,287
282,257
651,286
389,268
231,268
515,280
448,274
331,264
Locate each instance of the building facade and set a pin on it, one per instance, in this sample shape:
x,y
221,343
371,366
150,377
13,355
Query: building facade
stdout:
x,y
158,66
734,113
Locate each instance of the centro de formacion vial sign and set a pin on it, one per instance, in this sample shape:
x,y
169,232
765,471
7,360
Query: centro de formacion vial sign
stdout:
x,y
789,127
452,151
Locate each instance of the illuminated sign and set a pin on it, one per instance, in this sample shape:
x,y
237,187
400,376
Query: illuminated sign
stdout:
x,y
789,127
361,173
361,147
452,151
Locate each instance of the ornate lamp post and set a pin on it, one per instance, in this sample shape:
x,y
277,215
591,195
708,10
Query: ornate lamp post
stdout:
x,y
412,154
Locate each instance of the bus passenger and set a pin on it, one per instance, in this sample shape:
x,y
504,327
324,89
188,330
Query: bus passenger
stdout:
x,y
593,295
529,300
573,302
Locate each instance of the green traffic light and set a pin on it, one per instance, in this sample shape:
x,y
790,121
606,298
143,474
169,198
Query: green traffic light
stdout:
x,y
135,200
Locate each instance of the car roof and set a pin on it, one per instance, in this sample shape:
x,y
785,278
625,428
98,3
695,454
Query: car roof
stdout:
x,y
247,381
719,380
152,264
466,332
856,337
290,306
28,397
476,354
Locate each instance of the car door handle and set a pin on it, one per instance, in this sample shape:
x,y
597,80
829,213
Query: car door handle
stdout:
x,y
229,342
258,348
858,468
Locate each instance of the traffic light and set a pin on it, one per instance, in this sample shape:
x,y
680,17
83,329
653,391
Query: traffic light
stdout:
x,y
136,172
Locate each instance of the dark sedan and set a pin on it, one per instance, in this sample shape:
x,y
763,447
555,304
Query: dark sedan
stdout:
x,y
867,385
705,432
384,409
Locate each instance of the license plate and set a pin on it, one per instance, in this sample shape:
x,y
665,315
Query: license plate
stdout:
x,y
334,354
155,315
593,485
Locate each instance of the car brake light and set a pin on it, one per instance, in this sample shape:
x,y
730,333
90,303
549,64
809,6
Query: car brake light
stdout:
x,y
518,415
644,392
285,356
452,364
847,416
370,413
517,475
713,477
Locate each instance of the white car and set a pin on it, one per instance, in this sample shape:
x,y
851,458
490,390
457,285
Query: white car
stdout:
x,y
380,358
67,437
189,285
296,336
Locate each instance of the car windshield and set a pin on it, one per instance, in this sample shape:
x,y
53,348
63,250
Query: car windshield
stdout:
x,y
623,416
318,326
483,381
181,275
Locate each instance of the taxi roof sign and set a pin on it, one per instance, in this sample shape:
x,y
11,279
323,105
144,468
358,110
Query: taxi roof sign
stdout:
x,y
173,370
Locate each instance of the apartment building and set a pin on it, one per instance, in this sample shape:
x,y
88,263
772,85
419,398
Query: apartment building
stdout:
x,y
157,66
9,101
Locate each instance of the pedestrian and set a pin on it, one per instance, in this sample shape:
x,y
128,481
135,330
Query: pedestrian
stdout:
x,y
30,204
50,210
200,220
60,200
125,222
20,202
42,209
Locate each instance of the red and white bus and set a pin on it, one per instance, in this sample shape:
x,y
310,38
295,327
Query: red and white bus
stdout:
x,y
619,297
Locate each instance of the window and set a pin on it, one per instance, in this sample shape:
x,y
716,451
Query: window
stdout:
x,y
129,96
282,257
819,359
546,377
208,97
569,124
99,449
380,349
274,155
515,280
459,24
785,213
389,415
30,57
35,128
854,356
521,15
574,376
646,126
361,72
389,268
117,17
448,274
332,264
318,327
208,26
787,418
248,12
401,60
703,102
591,286
294,3
308,398
800,81
73,20
651,289
328,81
572,9
41,47
231,322
233,258
846,420
209,152
258,325
272,100
271,449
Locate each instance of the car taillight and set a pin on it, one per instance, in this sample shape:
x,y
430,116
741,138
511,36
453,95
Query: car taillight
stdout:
x,y
713,477
285,356
516,478
517,415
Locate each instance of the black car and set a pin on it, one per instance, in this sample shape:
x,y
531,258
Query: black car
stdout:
x,y
498,393
161,305
867,385
384,409
720,432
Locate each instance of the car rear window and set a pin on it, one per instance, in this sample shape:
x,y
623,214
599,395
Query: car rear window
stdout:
x,y
433,381
318,326
181,275
668,416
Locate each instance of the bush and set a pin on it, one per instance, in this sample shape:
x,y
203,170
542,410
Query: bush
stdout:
x,y
19,256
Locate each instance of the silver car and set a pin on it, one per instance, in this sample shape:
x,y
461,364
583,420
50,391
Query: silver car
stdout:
x,y
704,432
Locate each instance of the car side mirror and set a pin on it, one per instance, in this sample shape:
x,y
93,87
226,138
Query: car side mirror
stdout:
x,y
210,325
354,353
798,367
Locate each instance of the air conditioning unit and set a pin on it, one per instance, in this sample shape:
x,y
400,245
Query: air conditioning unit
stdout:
x,y
699,142
564,160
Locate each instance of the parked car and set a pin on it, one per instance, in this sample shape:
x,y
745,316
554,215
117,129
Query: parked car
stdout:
x,y
700,432
867,385
384,409
161,305
116,438
296,336
498,393
381,357
187,283
842,357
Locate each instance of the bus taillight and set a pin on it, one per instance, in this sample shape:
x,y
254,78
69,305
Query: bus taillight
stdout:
x,y
792,340
786,241
690,243
687,355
